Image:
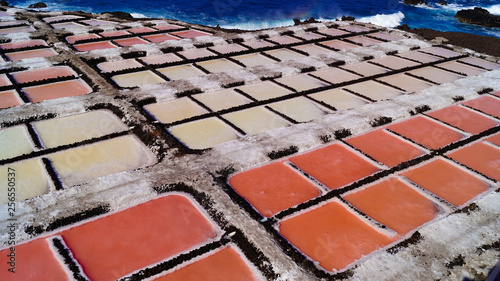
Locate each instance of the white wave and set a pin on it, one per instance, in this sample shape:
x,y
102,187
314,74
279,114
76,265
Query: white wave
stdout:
x,y
391,20
138,16
495,9
258,25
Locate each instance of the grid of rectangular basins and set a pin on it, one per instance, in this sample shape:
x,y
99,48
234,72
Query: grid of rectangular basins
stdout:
x,y
204,120
61,152
345,200
192,244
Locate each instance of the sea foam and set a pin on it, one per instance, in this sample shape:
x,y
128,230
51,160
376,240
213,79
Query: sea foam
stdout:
x,y
390,20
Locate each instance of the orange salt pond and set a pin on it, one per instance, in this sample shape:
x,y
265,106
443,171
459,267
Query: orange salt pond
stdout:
x,y
299,109
9,99
461,68
339,99
339,45
494,139
4,81
385,147
301,82
190,33
73,39
160,59
447,180
118,65
128,240
181,72
136,79
273,188
223,264
196,54
219,65
22,44
42,73
174,110
374,90
39,53
482,157
158,38
130,41
255,120
57,90
332,235
94,46
406,82
393,62
251,60
204,133
34,260
394,204
464,119
426,132
335,75
222,99
334,165
265,90
84,163
486,104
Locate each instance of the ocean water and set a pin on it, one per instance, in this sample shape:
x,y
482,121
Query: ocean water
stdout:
x,y
258,14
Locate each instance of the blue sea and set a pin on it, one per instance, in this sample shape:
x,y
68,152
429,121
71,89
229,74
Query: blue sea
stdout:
x,y
258,14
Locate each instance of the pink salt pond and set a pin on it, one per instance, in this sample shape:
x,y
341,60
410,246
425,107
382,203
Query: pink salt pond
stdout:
x,y
365,68
436,75
73,39
141,30
61,18
385,36
160,59
4,81
64,25
190,33
222,99
486,104
96,22
481,63
22,44
405,82
339,99
9,99
339,45
426,132
229,48
223,264
301,82
309,36
21,29
464,119
167,27
126,42
333,32
437,51
355,28
385,147
394,204
461,68
57,90
394,62
43,73
374,90
196,54
158,38
335,75
124,244
273,188
334,165
284,40
448,181
312,49
258,44
39,53
364,41
94,46
118,65
332,235
114,33
419,56
481,156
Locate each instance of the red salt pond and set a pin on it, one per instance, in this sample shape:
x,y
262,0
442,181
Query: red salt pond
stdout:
x,y
464,119
190,33
385,147
40,53
43,73
486,104
23,44
9,99
73,39
332,235
334,165
114,33
158,38
138,236
481,157
447,181
94,46
130,41
494,139
496,94
394,204
273,188
223,264
4,81
57,90
33,261
426,132
141,30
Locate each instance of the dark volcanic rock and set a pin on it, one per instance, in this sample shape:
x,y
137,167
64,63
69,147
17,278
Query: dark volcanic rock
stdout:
x,y
120,15
38,5
348,18
310,20
4,3
478,16
415,2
